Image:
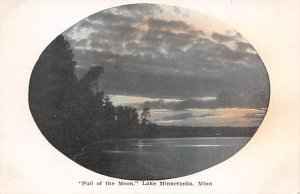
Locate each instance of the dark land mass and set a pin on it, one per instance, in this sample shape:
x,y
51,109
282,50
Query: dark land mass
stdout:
x,y
156,131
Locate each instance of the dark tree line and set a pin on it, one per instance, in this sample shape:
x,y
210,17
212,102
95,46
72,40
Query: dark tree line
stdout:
x,y
70,112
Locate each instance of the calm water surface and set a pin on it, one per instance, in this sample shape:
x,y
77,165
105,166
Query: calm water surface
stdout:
x,y
161,158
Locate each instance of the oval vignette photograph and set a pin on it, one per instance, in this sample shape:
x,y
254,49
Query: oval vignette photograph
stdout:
x,y
149,92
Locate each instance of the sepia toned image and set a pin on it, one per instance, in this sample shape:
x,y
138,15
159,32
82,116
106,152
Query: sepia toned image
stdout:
x,y
149,92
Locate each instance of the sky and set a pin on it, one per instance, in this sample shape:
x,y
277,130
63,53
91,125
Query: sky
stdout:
x,y
188,68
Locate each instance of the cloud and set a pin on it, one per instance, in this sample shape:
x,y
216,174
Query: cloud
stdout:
x,y
145,53
202,116
192,103
227,99
108,18
243,47
115,35
164,25
258,116
183,116
222,38
81,43
137,10
177,116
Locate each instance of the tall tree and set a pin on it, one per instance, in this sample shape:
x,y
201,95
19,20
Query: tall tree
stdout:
x,y
145,115
90,79
109,112
99,108
90,103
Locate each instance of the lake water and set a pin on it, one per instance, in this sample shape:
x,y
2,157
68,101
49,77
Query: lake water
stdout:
x,y
160,158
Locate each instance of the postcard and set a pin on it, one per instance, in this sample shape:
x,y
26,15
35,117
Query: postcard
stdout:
x,y
150,97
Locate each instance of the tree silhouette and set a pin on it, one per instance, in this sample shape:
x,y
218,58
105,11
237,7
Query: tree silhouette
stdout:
x,y
126,116
145,115
108,119
98,108
134,117
90,79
